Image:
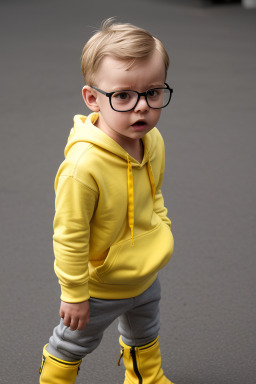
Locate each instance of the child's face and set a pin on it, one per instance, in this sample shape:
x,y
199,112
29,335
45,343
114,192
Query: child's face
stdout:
x,y
113,75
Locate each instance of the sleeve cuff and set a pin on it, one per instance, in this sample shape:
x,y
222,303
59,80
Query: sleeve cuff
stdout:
x,y
75,294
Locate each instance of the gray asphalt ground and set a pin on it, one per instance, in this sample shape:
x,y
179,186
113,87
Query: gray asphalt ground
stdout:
x,y
208,305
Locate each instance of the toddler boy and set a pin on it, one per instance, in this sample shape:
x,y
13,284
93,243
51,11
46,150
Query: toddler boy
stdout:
x,y
111,230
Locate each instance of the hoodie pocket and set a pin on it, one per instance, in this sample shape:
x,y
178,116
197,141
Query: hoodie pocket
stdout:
x,y
128,264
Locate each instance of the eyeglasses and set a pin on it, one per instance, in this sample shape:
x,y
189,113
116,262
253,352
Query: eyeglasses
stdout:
x,y
126,100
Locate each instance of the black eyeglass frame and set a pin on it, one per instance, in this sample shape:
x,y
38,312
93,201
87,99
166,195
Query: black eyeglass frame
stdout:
x,y
109,95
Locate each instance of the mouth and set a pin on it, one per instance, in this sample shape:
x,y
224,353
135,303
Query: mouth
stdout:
x,y
139,124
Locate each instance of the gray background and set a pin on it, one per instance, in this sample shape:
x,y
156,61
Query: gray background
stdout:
x,y
208,306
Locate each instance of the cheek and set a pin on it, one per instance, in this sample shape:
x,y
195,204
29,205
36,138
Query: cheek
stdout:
x,y
119,118
156,115
106,111
114,120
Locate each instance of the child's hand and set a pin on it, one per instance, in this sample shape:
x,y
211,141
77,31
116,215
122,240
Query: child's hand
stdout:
x,y
75,315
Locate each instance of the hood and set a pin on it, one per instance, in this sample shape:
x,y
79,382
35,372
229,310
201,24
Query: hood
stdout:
x,y
84,130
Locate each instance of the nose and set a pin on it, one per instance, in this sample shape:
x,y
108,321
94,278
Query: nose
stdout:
x,y
142,105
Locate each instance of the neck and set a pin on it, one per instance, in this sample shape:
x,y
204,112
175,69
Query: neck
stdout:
x,y
136,150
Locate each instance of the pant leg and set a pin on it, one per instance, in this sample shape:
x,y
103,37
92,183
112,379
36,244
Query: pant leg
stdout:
x,y
74,345
140,325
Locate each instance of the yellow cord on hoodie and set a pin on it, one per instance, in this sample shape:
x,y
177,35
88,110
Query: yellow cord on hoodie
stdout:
x,y
130,198
152,181
131,193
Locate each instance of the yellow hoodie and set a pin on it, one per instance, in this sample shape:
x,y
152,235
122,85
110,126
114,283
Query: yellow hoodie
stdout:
x,y
111,232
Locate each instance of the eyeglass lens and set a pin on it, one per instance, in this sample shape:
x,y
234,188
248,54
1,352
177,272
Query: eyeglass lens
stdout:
x,y
126,100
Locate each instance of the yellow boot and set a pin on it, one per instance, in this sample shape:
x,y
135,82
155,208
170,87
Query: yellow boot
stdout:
x,y
143,364
56,371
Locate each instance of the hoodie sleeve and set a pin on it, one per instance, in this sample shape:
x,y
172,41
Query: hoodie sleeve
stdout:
x,y
159,206
74,205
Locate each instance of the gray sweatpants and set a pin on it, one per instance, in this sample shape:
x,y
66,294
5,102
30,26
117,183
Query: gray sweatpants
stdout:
x,y
139,324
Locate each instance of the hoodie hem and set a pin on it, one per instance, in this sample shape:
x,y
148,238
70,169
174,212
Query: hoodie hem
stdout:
x,y
116,291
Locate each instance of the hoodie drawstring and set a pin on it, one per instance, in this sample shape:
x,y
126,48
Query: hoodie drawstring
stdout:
x,y
131,193
152,181
130,198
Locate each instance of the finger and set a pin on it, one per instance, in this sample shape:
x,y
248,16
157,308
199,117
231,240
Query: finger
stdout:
x,y
82,324
66,320
73,324
62,314
83,321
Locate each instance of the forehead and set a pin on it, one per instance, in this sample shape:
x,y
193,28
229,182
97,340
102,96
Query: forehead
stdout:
x,y
119,74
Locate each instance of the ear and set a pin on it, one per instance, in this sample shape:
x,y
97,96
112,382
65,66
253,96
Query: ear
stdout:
x,y
90,98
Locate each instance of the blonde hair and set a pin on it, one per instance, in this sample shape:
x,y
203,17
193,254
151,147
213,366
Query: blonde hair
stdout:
x,y
124,42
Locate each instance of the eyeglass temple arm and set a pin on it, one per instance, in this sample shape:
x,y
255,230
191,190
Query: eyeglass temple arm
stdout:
x,y
100,90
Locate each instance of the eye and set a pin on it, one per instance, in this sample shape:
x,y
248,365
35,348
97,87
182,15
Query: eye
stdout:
x,y
153,92
122,96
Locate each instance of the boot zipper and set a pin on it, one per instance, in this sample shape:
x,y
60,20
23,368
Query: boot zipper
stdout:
x,y
135,366
120,357
42,365
134,360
